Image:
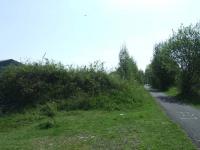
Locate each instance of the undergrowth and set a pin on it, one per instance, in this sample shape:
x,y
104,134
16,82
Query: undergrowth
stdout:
x,y
70,88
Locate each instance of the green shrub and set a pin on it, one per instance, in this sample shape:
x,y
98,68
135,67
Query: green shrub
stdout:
x,y
72,88
46,110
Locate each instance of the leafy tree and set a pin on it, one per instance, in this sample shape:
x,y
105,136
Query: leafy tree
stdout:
x,y
164,69
141,76
178,58
185,50
148,75
127,67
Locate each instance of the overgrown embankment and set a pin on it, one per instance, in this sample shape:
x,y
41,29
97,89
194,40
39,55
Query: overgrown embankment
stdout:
x,y
70,88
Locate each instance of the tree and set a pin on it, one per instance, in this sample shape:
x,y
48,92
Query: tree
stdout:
x,y
185,50
127,67
164,69
148,75
141,76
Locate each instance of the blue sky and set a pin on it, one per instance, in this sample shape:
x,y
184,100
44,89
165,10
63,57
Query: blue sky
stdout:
x,y
81,31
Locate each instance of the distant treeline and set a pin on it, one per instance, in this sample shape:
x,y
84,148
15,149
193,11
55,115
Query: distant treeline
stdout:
x,y
176,61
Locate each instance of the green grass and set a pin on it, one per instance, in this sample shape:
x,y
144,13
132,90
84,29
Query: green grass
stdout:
x,y
173,91
145,127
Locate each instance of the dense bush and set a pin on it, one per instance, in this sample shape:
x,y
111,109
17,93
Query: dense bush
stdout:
x,y
72,88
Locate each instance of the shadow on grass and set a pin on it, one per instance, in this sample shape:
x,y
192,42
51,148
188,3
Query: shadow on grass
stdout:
x,y
182,99
169,99
188,99
193,99
153,90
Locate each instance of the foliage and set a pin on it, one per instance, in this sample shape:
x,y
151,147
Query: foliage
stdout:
x,y
176,61
80,88
141,76
148,75
172,91
185,50
46,110
128,69
163,68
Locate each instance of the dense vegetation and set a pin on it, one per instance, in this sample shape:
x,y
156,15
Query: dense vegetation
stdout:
x,y
43,107
70,88
176,62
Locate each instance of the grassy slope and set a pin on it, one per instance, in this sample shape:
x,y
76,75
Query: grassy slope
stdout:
x,y
146,127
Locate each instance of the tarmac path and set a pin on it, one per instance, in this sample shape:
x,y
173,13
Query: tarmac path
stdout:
x,y
186,116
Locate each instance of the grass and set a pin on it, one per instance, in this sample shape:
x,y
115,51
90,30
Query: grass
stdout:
x,y
145,127
173,91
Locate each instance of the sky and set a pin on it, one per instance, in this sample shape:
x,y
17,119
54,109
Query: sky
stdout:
x,y
80,32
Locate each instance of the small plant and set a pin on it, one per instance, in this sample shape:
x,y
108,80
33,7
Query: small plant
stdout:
x,y
47,111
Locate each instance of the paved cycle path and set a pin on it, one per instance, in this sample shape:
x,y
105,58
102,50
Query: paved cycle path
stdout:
x,y
185,115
